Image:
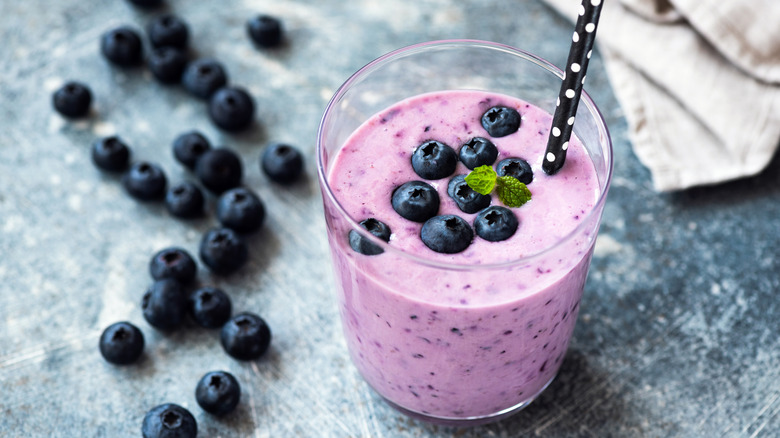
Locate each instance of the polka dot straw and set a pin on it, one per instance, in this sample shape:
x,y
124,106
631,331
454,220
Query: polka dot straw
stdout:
x,y
571,87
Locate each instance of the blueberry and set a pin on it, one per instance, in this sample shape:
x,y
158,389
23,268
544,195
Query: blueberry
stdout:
x,y
175,263
241,210
434,160
168,31
189,146
231,108
245,336
416,201
447,234
495,223
122,46
164,304
73,99
167,64
219,169
364,246
265,30
121,343
110,154
282,163
218,392
467,199
145,181
500,121
478,151
146,3
169,421
222,250
516,167
210,307
202,77
185,200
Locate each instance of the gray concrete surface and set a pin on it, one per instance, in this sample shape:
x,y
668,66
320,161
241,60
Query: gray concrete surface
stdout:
x,y
678,334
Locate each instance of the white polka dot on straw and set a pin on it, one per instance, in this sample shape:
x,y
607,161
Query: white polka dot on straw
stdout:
x,y
570,121
570,93
574,67
575,37
550,157
590,27
556,132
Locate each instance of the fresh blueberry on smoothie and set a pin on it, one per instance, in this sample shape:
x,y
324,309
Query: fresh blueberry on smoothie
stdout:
x,y
434,160
500,121
416,201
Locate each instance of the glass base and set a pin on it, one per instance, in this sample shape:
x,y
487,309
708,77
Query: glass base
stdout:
x,y
470,421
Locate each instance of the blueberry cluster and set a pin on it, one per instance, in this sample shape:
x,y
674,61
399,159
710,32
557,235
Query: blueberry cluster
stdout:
x,y
165,306
230,107
174,296
418,201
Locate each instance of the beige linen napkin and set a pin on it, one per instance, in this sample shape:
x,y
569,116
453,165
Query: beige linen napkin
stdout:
x,y
699,81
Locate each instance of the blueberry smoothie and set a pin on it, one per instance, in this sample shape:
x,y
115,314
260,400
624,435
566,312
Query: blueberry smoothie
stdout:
x,y
478,325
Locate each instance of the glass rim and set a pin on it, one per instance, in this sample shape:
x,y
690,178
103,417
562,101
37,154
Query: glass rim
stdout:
x,y
454,43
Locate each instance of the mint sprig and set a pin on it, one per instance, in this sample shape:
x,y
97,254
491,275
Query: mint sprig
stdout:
x,y
511,192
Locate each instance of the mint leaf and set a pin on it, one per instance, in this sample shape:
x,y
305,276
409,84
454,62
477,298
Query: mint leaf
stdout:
x,y
482,179
511,192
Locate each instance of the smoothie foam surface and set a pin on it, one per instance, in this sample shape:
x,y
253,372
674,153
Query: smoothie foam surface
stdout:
x,y
376,159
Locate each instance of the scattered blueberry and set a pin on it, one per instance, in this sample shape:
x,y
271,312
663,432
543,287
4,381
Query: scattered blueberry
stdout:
x,y
218,392
145,181
241,210
364,246
447,234
282,163
478,151
222,250
175,263
110,154
516,167
245,336
122,46
210,307
168,31
219,169
167,64
164,304
121,343
500,121
467,199
73,99
416,201
202,77
495,223
189,146
169,421
434,160
231,108
185,200
265,30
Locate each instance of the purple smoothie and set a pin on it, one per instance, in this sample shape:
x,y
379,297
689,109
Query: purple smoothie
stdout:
x,y
483,331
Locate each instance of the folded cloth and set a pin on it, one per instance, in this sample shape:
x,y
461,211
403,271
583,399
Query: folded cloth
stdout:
x,y
699,81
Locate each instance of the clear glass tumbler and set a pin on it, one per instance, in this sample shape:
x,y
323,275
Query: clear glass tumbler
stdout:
x,y
441,360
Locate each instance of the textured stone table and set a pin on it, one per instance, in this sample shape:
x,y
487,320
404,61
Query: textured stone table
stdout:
x,y
678,333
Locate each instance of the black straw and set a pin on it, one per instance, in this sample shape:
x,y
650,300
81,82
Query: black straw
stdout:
x,y
571,86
